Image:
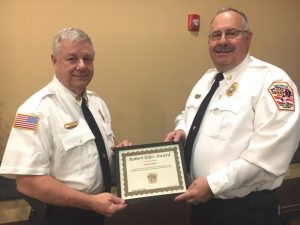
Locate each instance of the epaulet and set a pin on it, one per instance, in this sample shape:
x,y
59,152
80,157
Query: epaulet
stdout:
x,y
35,100
257,63
25,117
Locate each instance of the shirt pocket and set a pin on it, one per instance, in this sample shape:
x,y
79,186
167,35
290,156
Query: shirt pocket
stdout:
x,y
77,156
77,136
221,118
191,109
108,133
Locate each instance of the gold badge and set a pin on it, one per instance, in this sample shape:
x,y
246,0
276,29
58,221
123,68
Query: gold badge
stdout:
x,y
197,96
71,125
230,91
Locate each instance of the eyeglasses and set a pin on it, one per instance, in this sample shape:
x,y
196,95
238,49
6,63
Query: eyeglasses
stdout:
x,y
229,34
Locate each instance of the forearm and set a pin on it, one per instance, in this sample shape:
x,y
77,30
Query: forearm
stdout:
x,y
51,191
238,174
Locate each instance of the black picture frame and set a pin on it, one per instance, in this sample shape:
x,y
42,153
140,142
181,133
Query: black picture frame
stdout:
x,y
150,162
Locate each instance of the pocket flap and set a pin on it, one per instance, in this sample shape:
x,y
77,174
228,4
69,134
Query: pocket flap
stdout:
x,y
77,136
226,104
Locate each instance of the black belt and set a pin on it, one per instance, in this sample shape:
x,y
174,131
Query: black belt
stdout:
x,y
41,213
261,200
259,207
58,215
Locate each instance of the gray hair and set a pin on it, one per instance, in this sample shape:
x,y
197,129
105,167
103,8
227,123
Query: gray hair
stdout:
x,y
71,33
243,15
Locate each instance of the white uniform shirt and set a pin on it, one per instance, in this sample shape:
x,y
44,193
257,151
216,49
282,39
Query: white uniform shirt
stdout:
x,y
63,145
247,137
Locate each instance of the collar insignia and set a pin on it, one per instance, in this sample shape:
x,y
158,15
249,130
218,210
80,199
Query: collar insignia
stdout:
x,y
101,114
228,77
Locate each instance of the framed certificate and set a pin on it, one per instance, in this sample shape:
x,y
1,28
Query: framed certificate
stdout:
x,y
150,171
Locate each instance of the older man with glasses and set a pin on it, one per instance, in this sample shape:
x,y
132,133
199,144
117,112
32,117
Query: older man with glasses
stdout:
x,y
241,129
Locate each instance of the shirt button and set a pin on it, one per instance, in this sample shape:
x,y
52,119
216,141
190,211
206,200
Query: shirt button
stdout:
x,y
103,155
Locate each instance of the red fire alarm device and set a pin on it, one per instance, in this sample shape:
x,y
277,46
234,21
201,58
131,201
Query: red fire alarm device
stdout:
x,y
193,22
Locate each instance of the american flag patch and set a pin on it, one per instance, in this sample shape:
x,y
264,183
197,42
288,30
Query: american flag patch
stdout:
x,y
26,121
283,96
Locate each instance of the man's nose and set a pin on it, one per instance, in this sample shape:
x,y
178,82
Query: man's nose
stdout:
x,y
223,38
80,63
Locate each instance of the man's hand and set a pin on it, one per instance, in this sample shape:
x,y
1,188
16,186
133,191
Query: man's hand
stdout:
x,y
107,204
175,136
121,144
49,190
198,192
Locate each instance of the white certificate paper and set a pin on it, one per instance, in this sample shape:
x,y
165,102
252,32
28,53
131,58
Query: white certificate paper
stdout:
x,y
152,170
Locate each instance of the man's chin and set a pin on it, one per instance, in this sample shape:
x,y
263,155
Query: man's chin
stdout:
x,y
222,64
223,54
223,61
80,86
82,80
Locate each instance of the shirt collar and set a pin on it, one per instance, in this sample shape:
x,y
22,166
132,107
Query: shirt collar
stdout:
x,y
233,73
57,85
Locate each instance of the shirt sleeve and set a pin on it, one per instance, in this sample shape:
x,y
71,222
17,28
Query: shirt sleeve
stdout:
x,y
271,148
276,135
26,151
239,176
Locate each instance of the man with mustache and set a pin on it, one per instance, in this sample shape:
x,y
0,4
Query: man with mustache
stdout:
x,y
52,149
239,153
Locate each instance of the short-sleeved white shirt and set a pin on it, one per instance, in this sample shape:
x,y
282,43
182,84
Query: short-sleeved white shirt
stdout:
x,y
62,145
248,134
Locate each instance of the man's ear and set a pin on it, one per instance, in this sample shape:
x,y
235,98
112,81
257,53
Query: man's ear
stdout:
x,y
249,36
53,59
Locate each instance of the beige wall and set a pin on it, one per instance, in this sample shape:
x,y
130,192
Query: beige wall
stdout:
x,y
147,61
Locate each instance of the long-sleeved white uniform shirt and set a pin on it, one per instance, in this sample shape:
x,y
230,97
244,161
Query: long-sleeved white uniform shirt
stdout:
x,y
250,129
51,137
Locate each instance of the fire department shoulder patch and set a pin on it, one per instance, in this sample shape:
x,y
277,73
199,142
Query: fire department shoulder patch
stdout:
x,y
283,95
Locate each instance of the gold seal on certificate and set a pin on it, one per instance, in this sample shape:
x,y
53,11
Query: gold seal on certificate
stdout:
x,y
150,171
